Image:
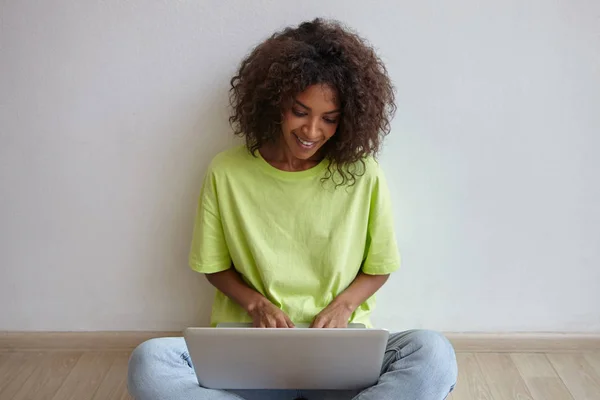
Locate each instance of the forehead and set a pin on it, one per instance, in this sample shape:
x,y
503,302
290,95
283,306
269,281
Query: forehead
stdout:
x,y
319,95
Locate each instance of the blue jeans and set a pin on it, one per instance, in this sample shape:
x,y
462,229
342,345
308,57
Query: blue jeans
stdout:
x,y
418,365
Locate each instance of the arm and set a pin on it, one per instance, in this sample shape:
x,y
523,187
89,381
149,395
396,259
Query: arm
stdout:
x,y
230,283
264,314
337,314
363,287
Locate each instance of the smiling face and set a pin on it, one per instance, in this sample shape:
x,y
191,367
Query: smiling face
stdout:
x,y
310,121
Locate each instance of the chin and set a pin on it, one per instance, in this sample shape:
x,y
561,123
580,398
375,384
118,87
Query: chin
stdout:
x,y
304,155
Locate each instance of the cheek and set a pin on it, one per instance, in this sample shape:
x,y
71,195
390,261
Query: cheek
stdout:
x,y
289,123
331,130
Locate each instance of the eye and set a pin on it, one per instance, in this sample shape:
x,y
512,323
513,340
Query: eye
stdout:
x,y
330,121
298,113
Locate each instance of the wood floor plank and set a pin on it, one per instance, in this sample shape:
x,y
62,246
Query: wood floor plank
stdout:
x,y
577,374
540,377
49,375
86,376
114,384
503,377
9,367
122,393
471,384
17,369
593,359
3,368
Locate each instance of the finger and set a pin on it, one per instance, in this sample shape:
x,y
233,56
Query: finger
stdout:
x,y
318,322
271,322
336,323
280,321
289,322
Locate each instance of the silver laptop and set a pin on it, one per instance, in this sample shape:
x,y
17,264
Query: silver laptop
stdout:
x,y
235,356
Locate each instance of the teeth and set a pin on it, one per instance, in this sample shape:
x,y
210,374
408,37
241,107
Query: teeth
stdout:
x,y
305,143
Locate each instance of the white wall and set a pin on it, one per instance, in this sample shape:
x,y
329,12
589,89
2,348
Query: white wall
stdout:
x,y
110,112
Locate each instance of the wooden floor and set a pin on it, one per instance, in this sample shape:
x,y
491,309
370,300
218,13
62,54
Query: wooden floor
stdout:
x,y
101,375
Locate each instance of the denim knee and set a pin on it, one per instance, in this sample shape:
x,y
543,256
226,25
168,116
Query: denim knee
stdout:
x,y
140,362
147,360
436,351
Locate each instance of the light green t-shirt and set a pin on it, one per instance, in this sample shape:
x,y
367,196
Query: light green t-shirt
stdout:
x,y
296,239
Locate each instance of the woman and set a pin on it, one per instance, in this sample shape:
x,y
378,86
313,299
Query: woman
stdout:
x,y
296,226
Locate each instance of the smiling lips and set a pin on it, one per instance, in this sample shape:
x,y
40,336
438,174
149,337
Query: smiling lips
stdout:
x,y
305,144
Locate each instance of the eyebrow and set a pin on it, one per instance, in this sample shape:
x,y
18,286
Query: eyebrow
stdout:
x,y
308,108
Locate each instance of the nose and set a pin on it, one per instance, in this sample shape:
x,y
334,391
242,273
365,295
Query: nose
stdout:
x,y
311,129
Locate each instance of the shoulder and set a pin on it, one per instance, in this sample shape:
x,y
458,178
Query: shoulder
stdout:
x,y
373,178
230,160
368,170
372,167
360,177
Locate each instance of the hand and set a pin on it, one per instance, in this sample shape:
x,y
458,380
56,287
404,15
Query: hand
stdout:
x,y
266,315
335,315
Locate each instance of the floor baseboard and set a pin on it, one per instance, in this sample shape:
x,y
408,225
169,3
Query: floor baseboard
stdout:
x,y
82,341
534,342
463,342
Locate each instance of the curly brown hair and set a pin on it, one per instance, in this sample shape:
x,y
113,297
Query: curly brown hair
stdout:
x,y
315,52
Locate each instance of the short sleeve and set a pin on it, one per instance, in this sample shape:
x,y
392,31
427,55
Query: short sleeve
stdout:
x,y
209,252
381,252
